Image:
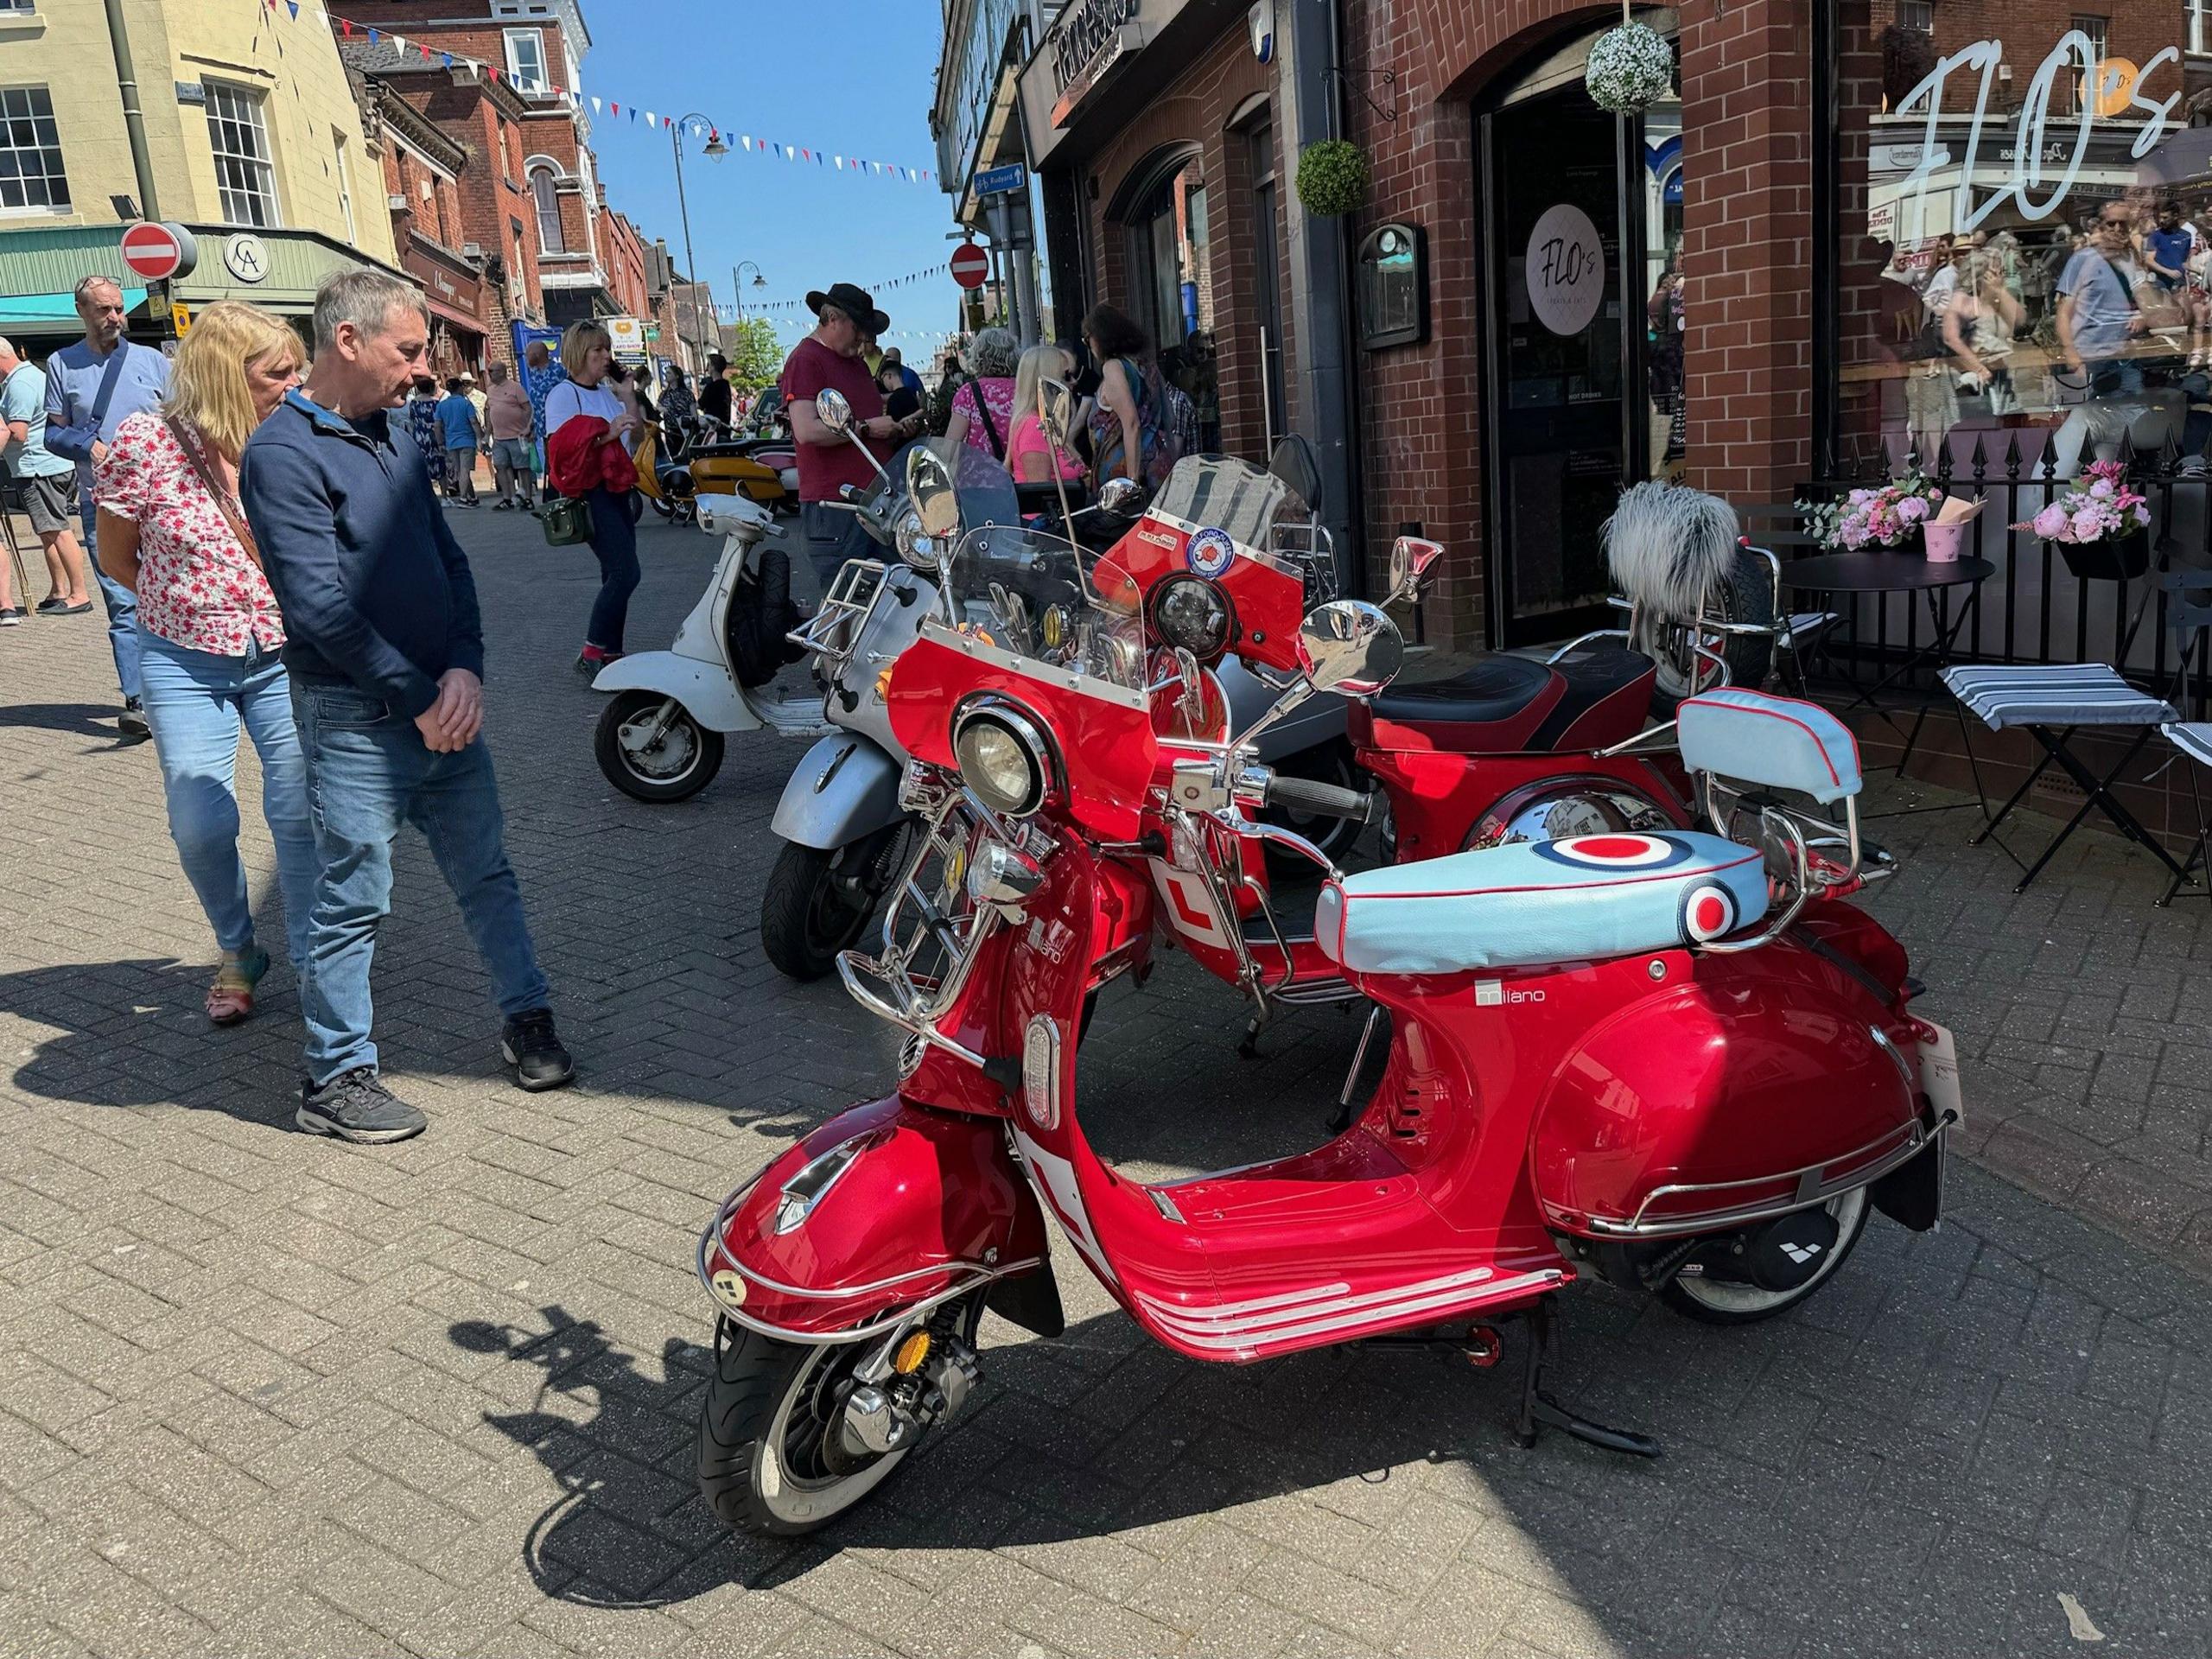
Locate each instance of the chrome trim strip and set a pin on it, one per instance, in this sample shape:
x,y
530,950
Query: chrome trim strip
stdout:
x,y
1222,1320
710,1245
1463,1296
1918,1138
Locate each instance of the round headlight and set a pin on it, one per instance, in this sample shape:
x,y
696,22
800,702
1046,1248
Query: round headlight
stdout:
x,y
1002,758
1190,613
915,545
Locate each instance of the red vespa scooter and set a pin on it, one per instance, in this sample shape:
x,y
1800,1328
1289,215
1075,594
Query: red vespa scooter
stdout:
x,y
1676,1059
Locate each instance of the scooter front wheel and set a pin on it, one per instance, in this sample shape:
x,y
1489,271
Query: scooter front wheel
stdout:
x,y
652,749
774,1454
817,903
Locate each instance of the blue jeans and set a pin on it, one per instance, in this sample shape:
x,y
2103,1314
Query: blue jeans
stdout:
x,y
614,539
122,604
831,536
368,773
195,701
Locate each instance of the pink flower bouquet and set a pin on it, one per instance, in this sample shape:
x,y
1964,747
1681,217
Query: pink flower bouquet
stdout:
x,y
2099,508
1883,516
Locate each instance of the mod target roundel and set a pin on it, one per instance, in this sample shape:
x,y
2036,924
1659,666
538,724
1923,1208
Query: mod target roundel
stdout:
x,y
1708,913
1616,854
1210,552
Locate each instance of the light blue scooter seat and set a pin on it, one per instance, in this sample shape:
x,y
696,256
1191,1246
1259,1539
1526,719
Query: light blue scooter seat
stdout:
x,y
1582,900
1752,737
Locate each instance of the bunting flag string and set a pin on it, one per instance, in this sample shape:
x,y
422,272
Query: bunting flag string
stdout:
x,y
881,286
740,143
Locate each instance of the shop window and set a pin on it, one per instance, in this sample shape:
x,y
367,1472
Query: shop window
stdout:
x,y
2025,241
31,178
245,180
1171,275
1918,15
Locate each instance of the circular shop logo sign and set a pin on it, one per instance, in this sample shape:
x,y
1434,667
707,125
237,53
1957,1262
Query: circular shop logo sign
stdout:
x,y
1566,270
246,256
1211,552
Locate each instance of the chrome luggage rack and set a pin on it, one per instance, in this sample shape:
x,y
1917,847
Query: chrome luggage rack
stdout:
x,y
834,631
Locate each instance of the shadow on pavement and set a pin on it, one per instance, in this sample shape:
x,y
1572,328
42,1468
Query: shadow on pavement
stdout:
x,y
80,719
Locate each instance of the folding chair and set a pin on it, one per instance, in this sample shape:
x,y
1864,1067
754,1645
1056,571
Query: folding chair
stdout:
x,y
2051,701
2189,614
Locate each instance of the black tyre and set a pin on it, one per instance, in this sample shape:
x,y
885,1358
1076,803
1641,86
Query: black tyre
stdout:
x,y
1747,596
770,1459
819,902
663,505
1327,763
1711,1299
652,749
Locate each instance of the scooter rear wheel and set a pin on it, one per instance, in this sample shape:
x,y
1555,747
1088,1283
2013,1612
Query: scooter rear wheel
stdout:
x,y
674,764
1712,1299
770,1460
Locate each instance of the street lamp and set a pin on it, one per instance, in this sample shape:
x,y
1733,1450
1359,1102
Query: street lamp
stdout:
x,y
714,150
737,283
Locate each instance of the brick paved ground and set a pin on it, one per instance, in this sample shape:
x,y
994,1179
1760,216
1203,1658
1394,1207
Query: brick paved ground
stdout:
x,y
262,1394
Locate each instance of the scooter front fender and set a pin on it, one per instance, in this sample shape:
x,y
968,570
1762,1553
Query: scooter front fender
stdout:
x,y
705,689
846,787
883,1212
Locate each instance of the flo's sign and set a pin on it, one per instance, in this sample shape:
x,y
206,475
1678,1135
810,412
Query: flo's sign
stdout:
x,y
2036,159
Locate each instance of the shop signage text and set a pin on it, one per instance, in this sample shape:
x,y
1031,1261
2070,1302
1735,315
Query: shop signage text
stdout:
x,y
2034,150
1087,29
1566,270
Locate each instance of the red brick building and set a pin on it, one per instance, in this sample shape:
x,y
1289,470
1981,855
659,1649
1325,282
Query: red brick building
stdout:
x,y
537,47
1541,302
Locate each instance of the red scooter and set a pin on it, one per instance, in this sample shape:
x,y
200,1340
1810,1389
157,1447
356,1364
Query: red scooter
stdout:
x,y
1603,1057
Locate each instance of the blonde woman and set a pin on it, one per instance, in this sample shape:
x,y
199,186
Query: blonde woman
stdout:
x,y
598,473
172,530
1031,456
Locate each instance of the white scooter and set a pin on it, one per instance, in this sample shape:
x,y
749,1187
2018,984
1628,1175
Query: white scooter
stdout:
x,y
660,736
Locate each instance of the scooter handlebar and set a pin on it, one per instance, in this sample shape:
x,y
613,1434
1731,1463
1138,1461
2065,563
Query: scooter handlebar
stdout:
x,y
1304,795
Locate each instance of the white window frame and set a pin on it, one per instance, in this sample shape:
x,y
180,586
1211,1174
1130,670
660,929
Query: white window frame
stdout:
x,y
251,107
1926,7
2199,13
532,170
29,209
19,7
344,186
537,80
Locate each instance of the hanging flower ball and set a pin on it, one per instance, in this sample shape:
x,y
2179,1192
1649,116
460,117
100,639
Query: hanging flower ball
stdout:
x,y
1332,178
1630,69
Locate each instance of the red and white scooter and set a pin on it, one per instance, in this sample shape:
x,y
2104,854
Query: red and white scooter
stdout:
x,y
1672,1058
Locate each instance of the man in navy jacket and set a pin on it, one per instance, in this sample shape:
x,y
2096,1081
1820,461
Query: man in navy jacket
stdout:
x,y
386,650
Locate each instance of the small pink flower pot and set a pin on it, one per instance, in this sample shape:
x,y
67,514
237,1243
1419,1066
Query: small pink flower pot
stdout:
x,y
1945,542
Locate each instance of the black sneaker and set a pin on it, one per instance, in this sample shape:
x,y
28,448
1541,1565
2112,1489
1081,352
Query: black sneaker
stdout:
x,y
131,722
11,616
356,1106
531,1045
55,605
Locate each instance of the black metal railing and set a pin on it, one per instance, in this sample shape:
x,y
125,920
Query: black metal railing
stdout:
x,y
2034,608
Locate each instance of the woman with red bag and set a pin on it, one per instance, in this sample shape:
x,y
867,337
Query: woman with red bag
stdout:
x,y
587,458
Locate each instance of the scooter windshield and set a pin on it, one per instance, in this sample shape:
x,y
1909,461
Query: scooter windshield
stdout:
x,y
983,487
1050,603
1222,493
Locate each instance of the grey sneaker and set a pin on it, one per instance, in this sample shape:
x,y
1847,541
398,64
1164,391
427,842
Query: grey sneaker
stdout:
x,y
356,1106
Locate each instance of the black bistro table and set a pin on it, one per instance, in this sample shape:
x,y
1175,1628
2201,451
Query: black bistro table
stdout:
x,y
1885,573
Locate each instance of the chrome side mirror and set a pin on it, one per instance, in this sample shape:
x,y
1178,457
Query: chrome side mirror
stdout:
x,y
1055,411
1119,498
1410,558
833,411
930,489
1349,646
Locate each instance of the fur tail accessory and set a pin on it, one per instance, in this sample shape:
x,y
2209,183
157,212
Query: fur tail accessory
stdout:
x,y
1670,546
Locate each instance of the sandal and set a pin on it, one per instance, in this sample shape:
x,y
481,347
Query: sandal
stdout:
x,y
230,999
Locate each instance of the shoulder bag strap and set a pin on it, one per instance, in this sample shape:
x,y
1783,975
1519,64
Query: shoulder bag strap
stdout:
x,y
113,373
990,425
224,501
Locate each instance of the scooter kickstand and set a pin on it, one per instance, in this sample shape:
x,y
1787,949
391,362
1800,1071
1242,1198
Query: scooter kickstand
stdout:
x,y
1540,1411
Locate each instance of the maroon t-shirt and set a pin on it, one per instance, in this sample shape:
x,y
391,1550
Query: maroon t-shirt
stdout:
x,y
813,367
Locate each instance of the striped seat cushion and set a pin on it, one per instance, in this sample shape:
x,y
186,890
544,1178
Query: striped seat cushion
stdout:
x,y
2193,740
2055,694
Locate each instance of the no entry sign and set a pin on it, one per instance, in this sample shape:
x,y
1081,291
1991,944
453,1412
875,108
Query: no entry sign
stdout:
x,y
157,252
970,264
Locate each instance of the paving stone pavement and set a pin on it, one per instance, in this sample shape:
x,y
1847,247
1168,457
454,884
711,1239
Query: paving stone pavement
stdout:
x,y
261,1394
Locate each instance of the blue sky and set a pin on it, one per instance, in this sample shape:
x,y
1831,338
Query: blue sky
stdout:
x,y
768,70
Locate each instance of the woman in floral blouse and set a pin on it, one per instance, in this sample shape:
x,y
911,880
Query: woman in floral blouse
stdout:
x,y
171,527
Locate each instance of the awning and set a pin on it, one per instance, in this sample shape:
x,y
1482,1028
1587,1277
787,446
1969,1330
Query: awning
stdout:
x,y
30,310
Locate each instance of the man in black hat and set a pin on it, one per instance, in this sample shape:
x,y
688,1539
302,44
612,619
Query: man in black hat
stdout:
x,y
830,360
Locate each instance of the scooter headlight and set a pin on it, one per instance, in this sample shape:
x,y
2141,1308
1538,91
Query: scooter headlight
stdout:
x,y
916,546
1001,758
1190,613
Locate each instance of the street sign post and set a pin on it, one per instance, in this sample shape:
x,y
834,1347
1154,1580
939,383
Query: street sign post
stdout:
x,y
155,252
1001,179
970,265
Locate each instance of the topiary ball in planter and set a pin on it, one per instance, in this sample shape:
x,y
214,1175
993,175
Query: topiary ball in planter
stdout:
x,y
1630,69
1332,178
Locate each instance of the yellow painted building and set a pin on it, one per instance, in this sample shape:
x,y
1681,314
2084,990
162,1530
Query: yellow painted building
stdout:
x,y
253,135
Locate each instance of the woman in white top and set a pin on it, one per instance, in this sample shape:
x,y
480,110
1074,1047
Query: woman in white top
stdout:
x,y
586,351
